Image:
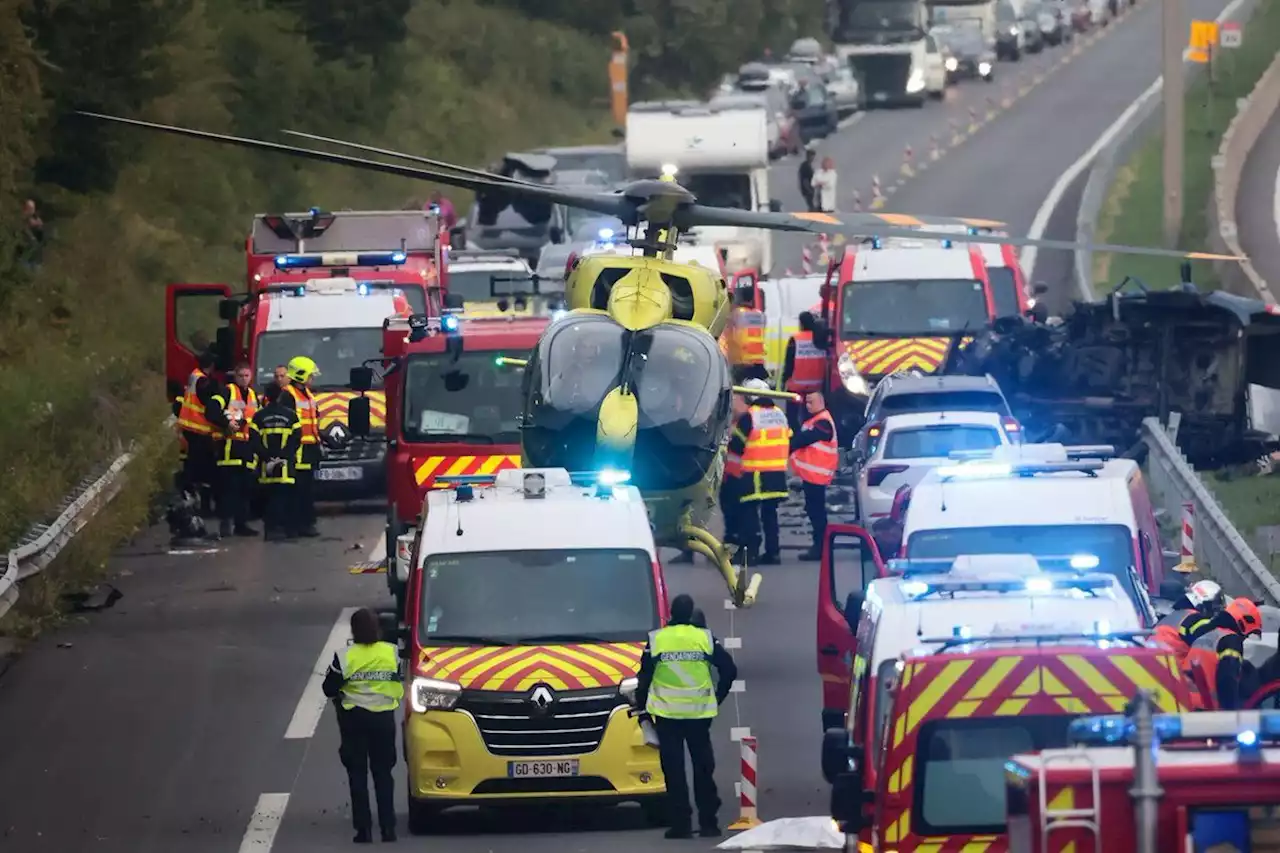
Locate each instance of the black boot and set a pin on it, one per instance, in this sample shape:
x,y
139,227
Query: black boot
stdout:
x,y
677,832
363,836
811,555
245,530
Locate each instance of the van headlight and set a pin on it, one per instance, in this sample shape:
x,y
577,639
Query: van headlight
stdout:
x,y
852,380
952,65
627,689
915,82
431,694
1015,30
984,68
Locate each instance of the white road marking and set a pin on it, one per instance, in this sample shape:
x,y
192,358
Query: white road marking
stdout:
x,y
737,733
378,552
850,121
738,686
264,824
1027,258
732,643
729,605
306,716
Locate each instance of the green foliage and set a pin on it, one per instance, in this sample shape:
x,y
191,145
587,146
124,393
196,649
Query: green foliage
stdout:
x,y
81,336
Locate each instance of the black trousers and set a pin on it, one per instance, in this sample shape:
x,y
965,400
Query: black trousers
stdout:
x,y
304,496
757,518
369,747
199,473
673,737
815,506
731,510
235,490
279,509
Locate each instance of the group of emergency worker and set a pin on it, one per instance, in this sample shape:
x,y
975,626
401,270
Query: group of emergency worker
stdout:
x,y
240,444
1207,632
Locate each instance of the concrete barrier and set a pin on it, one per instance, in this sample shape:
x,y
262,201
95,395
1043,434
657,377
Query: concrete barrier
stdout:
x,y
1251,119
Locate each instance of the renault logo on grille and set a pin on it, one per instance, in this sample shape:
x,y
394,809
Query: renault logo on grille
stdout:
x,y
542,698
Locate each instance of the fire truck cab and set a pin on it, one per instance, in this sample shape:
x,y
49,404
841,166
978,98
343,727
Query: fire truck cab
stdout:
x,y
1203,782
532,595
990,593
453,407
896,305
949,717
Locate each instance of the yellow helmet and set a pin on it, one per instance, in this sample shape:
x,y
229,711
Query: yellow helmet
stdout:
x,y
302,368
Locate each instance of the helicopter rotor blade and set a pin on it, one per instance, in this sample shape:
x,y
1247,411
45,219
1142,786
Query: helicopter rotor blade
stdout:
x,y
903,226
412,158
610,204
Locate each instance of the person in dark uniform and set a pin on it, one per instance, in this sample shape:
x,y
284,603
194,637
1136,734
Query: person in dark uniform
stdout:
x,y
805,176
364,682
275,435
1218,645
302,371
231,412
679,693
804,365
1199,603
758,449
815,458
198,469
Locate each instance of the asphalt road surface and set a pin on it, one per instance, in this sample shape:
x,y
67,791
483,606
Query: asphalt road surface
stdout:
x,y
1258,205
188,716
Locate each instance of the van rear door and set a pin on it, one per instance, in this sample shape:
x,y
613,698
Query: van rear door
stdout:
x,y
192,320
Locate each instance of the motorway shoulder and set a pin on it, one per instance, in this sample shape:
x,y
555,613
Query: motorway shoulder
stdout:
x,y
153,726
1257,211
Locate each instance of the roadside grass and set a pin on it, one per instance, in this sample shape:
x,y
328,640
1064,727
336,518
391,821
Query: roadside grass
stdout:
x,y
1133,212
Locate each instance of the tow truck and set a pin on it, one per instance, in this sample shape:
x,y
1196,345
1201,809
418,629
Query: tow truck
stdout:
x,y
1156,783
317,284
947,720
891,306
453,407
532,594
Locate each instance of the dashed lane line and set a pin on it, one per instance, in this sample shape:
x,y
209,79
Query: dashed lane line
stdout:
x,y
310,708
265,823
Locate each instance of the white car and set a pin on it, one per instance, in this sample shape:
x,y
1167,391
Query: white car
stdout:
x,y
910,446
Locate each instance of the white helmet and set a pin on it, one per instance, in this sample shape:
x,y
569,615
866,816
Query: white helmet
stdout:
x,y
1203,593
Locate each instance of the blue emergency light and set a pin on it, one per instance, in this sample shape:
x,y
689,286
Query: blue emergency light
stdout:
x,y
312,260
975,470
1246,728
449,323
946,244
1040,585
605,235
875,243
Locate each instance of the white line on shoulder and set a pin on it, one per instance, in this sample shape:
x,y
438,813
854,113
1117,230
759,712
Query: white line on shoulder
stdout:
x,y
306,716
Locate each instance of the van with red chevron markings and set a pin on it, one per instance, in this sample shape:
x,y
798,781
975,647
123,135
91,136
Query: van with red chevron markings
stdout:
x,y
531,598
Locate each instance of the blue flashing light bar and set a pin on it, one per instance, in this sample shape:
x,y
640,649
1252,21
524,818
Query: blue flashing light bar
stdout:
x,y
605,235
312,260
946,244
1040,585
975,470
1246,728
449,323
605,477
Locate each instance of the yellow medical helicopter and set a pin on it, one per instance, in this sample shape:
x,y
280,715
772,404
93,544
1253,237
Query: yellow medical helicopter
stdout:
x,y
633,378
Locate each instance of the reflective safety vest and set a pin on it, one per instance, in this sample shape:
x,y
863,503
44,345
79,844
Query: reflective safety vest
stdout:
x,y
682,686
769,443
371,677
305,403
818,462
810,365
240,406
191,415
748,337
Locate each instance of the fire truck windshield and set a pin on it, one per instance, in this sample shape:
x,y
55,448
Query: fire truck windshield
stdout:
x,y
960,782
1004,290
469,398
335,352
1111,543
538,596
915,307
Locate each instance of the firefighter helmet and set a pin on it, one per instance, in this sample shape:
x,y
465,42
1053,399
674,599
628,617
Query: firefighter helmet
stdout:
x,y
1205,595
302,368
1247,616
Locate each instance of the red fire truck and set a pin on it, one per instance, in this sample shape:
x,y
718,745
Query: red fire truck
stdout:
x,y
316,287
453,408
1199,782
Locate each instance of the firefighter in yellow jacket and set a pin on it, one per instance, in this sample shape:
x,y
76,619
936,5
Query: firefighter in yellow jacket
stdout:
x,y
757,455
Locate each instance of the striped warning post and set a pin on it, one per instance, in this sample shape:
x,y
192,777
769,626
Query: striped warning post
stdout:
x,y
935,149
749,815
1187,550
857,201
973,119
806,260
824,250
877,194
908,164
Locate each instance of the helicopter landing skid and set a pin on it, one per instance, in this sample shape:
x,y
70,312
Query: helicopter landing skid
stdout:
x,y
742,589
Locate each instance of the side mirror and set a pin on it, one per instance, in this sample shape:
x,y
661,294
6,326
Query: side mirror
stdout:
x,y
454,301
458,236
837,754
224,346
1039,288
389,626
358,416
846,803
360,379
228,309
775,205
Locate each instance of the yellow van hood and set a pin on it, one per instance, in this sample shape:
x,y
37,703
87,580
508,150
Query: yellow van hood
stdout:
x,y
518,668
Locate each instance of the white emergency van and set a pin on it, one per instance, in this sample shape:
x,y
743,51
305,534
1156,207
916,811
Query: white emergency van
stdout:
x,y
784,300
1044,499
475,276
721,155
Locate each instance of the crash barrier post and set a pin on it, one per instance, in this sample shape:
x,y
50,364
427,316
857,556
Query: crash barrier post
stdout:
x,y
748,814
1187,549
42,543
907,166
857,201
1223,553
877,194
956,136
824,250
806,260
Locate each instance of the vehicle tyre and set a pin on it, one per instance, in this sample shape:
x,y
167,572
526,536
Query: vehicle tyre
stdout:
x,y
422,817
655,810
939,95
990,78
918,102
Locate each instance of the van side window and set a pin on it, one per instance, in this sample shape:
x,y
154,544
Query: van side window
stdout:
x,y
852,567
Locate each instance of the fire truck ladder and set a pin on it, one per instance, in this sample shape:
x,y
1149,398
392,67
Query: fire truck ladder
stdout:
x,y
1088,819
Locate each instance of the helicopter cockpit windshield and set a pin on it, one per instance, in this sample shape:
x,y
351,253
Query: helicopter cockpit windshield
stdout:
x,y
676,372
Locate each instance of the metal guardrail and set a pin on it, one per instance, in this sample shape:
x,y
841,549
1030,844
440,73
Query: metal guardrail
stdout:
x,y
43,542
1220,548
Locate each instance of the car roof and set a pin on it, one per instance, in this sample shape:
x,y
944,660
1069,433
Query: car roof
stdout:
x,y
958,418
937,384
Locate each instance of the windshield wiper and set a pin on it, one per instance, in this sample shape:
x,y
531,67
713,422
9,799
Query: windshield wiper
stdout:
x,y
563,638
473,639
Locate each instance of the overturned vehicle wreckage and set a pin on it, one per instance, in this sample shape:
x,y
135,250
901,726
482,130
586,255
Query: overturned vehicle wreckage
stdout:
x,y
1094,376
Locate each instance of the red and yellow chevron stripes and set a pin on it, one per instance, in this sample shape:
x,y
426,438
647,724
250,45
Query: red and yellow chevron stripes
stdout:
x,y
332,406
882,356
1068,682
517,668
427,468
